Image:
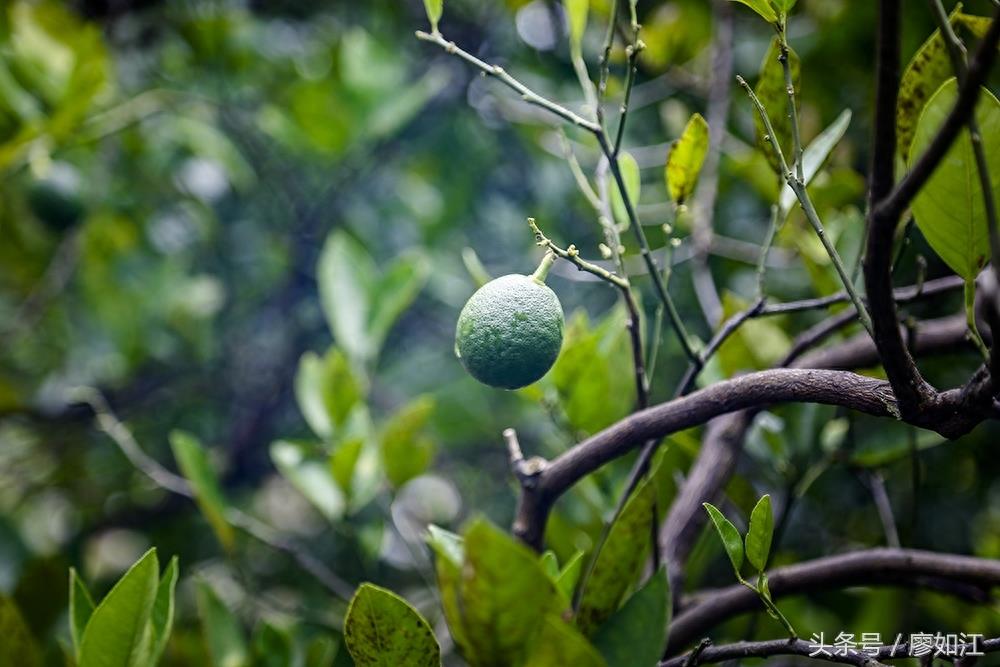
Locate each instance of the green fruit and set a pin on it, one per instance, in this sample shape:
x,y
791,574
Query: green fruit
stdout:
x,y
510,331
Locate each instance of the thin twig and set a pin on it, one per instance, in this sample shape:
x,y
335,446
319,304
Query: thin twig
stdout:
x,y
120,434
604,66
647,256
879,566
572,255
876,484
532,97
528,95
577,171
798,187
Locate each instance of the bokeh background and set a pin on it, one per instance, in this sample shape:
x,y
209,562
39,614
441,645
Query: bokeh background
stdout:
x,y
256,222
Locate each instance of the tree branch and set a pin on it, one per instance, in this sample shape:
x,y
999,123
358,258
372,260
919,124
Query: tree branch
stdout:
x,y
528,95
846,389
113,427
723,437
869,567
886,204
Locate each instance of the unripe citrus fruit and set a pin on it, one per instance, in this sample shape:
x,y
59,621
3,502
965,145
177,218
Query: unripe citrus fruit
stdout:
x,y
510,331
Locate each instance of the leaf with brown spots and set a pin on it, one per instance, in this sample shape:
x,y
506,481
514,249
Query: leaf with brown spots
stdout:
x,y
928,69
773,95
620,561
383,630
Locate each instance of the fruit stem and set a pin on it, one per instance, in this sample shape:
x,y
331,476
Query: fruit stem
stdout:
x,y
543,269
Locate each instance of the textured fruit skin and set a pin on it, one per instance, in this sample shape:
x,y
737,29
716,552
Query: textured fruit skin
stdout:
x,y
510,331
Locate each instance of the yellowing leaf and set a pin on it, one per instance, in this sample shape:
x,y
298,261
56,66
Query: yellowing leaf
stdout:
x,y
686,158
949,209
576,11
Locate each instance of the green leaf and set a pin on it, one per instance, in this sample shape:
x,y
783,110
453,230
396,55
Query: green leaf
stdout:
x,y
311,477
162,618
559,643
326,390
576,11
774,96
731,539
18,647
760,343
195,466
273,646
619,563
449,550
949,209
504,596
636,634
763,8
321,652
224,636
360,307
929,68
395,292
383,630
815,154
346,275
633,183
759,534
406,452
570,574
686,157
592,391
81,608
977,25
344,461
784,6
550,564
118,634
446,544
434,9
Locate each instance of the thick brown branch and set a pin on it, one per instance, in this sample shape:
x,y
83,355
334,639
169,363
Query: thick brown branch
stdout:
x,y
914,394
755,389
723,437
871,568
